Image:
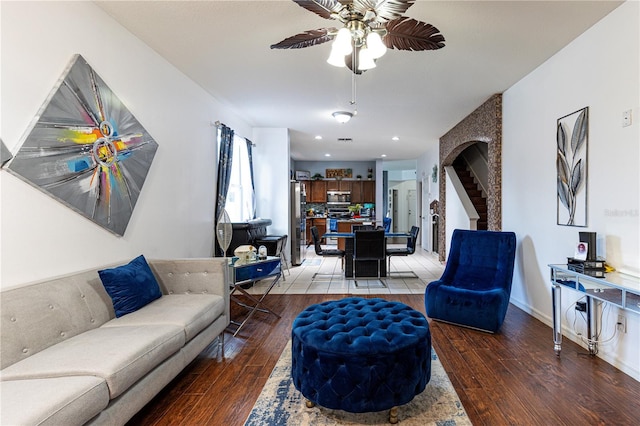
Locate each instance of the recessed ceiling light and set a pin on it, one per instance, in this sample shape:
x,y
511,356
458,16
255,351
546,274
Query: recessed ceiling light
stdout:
x,y
318,137
395,138
383,155
327,155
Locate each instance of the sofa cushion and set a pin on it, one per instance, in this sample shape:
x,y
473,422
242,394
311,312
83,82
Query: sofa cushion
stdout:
x,y
119,355
191,312
55,401
130,286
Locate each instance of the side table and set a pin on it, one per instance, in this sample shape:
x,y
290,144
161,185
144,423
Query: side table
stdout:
x,y
248,273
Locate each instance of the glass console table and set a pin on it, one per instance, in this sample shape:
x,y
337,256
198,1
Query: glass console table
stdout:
x,y
242,275
618,289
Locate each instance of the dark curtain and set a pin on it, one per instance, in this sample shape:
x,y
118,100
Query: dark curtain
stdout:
x,y
224,174
253,185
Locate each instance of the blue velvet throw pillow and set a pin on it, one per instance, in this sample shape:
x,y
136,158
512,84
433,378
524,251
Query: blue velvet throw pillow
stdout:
x,y
130,286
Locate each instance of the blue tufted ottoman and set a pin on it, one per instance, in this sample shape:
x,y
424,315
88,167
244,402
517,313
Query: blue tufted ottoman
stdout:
x,y
361,355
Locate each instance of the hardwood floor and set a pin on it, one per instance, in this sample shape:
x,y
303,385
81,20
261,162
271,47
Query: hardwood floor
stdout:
x,y
510,378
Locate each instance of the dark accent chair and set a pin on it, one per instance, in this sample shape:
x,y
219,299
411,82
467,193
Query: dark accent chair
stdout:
x,y
369,244
475,287
324,252
405,251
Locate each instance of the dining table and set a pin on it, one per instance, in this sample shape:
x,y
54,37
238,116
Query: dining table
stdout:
x,y
363,268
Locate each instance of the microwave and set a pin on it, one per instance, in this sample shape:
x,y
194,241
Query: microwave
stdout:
x,y
338,197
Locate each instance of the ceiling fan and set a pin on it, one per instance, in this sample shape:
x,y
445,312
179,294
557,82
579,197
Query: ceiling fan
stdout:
x,y
370,27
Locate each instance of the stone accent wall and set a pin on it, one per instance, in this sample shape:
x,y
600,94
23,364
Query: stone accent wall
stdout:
x,y
483,125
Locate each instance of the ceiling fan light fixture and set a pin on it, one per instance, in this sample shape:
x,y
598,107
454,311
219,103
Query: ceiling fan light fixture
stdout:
x,y
375,45
342,43
336,58
342,116
365,60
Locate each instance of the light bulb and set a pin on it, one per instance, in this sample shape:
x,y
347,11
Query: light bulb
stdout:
x,y
376,47
342,43
336,58
365,61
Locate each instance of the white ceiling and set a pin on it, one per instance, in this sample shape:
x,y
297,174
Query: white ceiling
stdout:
x,y
416,96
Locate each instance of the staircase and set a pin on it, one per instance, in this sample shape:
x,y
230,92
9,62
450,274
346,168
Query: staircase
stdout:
x,y
475,194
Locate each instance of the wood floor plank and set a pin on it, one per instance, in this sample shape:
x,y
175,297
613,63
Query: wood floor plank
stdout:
x,y
512,377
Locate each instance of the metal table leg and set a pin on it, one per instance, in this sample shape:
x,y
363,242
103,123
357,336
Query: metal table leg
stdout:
x,y
556,296
258,303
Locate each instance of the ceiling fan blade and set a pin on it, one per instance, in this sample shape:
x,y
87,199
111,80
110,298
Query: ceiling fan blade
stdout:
x,y
409,34
323,8
385,10
306,39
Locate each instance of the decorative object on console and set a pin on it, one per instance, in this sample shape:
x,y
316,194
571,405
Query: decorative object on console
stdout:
x,y
590,239
581,251
5,154
246,254
224,231
369,29
572,134
85,149
262,252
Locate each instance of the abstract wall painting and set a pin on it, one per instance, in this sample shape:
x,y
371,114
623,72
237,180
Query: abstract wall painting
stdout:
x,y
572,137
5,154
86,149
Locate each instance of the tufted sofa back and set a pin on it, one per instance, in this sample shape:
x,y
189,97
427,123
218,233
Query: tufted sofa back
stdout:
x,y
37,316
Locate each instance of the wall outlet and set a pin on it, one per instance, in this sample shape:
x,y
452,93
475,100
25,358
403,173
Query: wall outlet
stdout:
x,y
626,118
622,324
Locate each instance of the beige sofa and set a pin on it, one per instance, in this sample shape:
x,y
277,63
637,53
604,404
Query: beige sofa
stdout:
x,y
67,360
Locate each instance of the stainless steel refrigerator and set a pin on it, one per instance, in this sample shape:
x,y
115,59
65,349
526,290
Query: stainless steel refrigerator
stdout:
x,y
298,222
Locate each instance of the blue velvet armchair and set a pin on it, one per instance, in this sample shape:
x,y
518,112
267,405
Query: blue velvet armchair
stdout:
x,y
475,287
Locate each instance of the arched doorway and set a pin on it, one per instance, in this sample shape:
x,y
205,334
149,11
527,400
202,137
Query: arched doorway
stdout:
x,y
484,125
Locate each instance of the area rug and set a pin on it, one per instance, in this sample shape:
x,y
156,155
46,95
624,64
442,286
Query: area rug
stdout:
x,y
281,404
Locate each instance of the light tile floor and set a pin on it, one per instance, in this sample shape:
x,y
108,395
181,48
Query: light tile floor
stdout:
x,y
298,280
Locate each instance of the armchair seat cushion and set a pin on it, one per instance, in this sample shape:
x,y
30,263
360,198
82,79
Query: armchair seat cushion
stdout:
x,y
474,308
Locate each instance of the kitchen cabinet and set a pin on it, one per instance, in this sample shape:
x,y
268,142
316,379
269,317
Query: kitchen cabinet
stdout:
x,y
317,191
363,191
339,185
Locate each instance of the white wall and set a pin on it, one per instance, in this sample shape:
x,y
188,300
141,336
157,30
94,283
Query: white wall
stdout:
x,y
599,70
271,173
174,214
429,190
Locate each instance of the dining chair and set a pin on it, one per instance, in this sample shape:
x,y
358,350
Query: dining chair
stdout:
x,y
315,236
369,244
404,251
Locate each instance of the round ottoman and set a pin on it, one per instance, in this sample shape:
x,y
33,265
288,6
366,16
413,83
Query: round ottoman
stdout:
x,y
361,355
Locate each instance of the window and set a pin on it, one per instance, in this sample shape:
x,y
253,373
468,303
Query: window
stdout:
x,y
240,203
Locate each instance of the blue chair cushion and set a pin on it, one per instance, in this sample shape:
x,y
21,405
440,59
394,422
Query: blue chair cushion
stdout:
x,y
360,355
